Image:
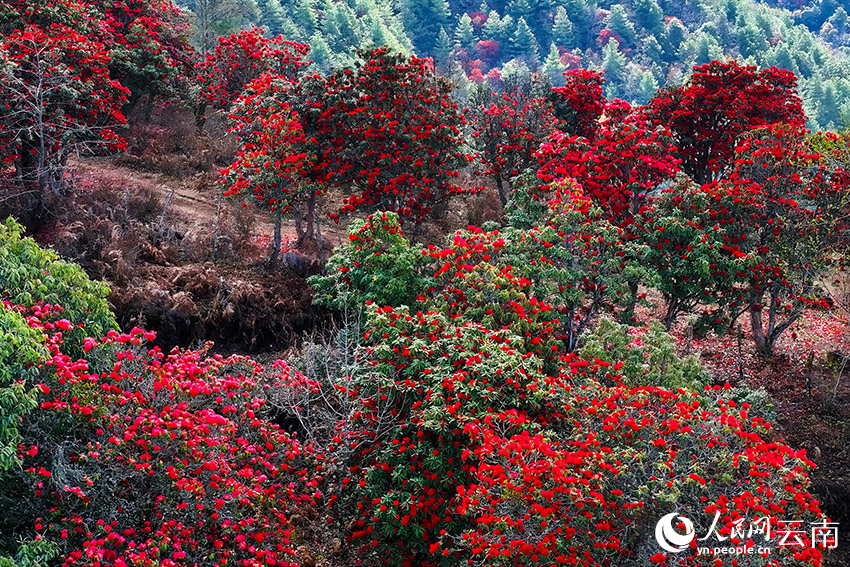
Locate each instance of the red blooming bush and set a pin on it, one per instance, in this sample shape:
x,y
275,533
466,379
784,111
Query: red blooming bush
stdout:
x,y
466,450
242,57
626,160
135,457
579,103
507,129
718,103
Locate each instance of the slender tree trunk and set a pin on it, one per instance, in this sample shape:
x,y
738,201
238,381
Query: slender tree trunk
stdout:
x,y
500,185
764,343
276,240
670,316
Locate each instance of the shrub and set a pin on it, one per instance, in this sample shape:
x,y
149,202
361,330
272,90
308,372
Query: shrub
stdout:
x,y
30,275
140,458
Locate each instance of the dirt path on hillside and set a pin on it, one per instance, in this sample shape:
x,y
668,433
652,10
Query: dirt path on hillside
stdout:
x,y
194,207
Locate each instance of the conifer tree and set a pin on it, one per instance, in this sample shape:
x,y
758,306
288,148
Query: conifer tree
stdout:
x,y
524,44
613,68
562,29
619,23
492,28
423,20
519,9
443,49
464,34
649,16
552,66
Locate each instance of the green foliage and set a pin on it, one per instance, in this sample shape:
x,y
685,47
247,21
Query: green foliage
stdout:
x,y
30,275
21,351
33,553
646,358
377,264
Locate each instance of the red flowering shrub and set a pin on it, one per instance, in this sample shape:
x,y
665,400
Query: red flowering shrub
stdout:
x,y
784,205
617,168
467,451
718,103
240,58
579,103
140,458
58,97
506,131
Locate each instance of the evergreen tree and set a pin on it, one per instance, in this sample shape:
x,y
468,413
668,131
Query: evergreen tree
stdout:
x,y
781,57
751,39
647,86
650,50
619,23
581,13
524,44
649,16
423,20
519,9
464,34
443,49
562,29
322,56
301,14
675,34
613,68
492,28
552,66
484,8
703,48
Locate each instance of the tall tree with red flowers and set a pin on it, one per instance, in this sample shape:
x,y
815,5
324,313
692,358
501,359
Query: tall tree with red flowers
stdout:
x,y
580,102
58,97
275,161
718,103
787,206
506,131
240,58
617,169
389,133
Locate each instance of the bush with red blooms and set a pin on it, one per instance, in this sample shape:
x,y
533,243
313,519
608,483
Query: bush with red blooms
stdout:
x,y
719,102
687,249
242,57
786,206
386,132
276,160
506,131
145,41
135,457
58,97
617,168
466,451
579,103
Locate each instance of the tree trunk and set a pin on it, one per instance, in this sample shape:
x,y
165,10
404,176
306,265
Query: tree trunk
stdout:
x,y
275,253
500,185
764,342
670,316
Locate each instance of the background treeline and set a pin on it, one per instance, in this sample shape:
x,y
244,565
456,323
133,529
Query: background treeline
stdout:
x,y
640,45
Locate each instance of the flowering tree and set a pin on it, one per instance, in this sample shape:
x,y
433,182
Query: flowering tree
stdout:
x,y
59,97
506,131
389,134
274,162
240,58
785,205
718,103
579,103
687,249
617,169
